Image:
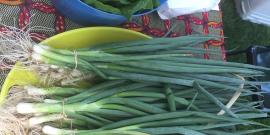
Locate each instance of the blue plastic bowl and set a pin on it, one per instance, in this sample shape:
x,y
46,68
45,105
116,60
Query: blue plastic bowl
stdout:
x,y
86,15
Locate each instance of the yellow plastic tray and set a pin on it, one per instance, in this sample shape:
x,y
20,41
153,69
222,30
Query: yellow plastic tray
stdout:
x,y
79,38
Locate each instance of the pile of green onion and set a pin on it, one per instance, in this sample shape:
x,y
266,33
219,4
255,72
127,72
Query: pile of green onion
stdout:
x,y
145,87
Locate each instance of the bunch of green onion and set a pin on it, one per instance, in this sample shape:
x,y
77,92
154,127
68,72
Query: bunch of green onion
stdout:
x,y
160,60
155,86
128,107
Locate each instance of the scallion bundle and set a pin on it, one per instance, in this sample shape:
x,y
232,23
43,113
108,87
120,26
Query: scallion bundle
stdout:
x,y
155,86
127,107
145,61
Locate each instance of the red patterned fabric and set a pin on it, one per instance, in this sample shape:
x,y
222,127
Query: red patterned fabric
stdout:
x,y
190,25
148,24
11,2
42,13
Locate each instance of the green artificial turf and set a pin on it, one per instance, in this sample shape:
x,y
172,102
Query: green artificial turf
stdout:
x,y
241,34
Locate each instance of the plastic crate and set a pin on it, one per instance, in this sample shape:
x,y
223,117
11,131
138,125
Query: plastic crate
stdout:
x,y
260,55
257,11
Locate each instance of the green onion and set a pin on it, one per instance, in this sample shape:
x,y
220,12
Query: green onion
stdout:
x,y
51,91
170,130
93,90
164,116
170,98
214,99
55,131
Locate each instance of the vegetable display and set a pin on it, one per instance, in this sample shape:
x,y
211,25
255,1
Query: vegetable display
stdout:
x,y
123,7
144,87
